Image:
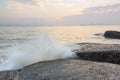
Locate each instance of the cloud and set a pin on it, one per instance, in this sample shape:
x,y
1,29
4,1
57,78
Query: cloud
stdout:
x,y
54,2
69,11
96,15
94,3
104,9
41,8
22,4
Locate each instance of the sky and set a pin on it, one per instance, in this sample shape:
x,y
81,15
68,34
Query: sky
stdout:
x,y
59,12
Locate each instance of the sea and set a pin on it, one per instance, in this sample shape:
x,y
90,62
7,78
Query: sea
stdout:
x,y
24,45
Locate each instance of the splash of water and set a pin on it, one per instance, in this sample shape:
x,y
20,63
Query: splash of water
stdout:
x,y
34,51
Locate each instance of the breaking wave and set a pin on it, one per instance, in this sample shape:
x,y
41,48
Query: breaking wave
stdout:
x,y
41,49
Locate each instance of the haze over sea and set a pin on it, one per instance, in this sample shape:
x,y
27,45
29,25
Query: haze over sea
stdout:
x,y
21,46
10,36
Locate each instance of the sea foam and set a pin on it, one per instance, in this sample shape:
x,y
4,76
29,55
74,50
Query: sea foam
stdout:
x,y
41,49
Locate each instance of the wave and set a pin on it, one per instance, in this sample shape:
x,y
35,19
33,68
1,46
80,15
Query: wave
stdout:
x,y
40,49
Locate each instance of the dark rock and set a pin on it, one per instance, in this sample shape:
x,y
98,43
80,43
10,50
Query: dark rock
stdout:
x,y
8,75
74,69
112,34
99,52
101,56
99,34
67,69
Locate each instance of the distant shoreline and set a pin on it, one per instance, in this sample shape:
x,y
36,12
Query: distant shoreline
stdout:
x,y
60,25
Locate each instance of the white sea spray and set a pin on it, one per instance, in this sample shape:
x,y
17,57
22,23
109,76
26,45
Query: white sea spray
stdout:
x,y
41,49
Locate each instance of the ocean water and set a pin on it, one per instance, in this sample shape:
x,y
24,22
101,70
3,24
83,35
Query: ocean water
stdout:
x,y
21,45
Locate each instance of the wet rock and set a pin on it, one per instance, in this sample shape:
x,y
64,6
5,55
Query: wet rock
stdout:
x,y
112,34
97,68
67,69
99,52
8,75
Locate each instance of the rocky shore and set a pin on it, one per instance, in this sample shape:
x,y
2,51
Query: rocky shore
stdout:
x,y
95,62
99,52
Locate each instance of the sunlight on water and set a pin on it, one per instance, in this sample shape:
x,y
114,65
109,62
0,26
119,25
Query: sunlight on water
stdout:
x,y
78,34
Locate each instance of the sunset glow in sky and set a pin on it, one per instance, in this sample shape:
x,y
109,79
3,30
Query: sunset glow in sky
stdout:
x,y
59,11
